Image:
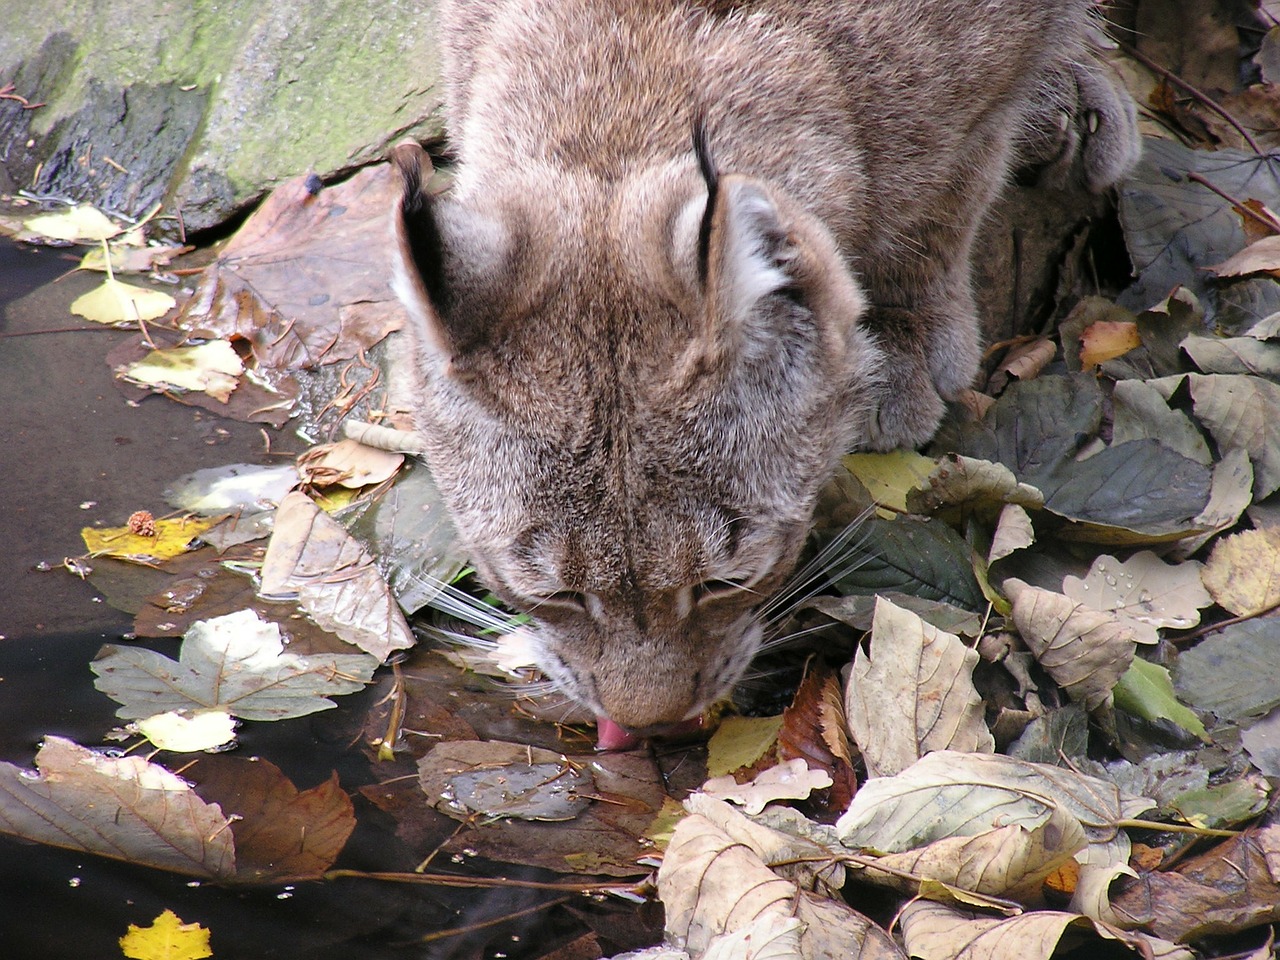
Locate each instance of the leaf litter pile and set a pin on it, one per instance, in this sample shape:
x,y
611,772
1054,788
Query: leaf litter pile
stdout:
x,y
1029,704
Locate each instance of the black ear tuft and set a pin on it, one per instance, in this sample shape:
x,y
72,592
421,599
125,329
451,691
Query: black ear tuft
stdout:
x,y
423,244
707,166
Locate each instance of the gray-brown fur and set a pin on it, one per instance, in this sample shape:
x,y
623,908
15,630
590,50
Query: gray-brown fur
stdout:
x,y
631,436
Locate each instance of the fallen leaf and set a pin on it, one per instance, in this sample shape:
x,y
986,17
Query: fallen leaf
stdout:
x,y
1261,256
348,464
914,694
172,538
203,730
814,730
281,832
494,780
788,780
232,488
212,367
1232,673
81,223
130,259
934,931
124,808
1105,340
1243,412
235,663
1146,691
114,301
888,476
1085,651
1144,592
168,938
1228,355
312,558
741,741
1014,531
958,480
1243,571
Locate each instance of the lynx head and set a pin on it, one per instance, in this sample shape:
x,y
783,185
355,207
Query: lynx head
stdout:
x,y
632,391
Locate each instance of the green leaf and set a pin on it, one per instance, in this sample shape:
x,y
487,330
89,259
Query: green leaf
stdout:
x,y
1146,690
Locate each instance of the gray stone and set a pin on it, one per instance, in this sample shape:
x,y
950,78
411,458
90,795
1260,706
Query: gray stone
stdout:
x,y
208,105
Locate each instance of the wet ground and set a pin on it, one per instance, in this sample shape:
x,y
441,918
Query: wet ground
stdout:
x,y
74,453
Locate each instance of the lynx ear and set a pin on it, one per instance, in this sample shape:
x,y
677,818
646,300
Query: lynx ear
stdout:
x,y
443,254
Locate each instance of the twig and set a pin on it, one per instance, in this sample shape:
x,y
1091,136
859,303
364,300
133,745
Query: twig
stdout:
x,y
1269,222
483,924
455,880
1229,622
1195,92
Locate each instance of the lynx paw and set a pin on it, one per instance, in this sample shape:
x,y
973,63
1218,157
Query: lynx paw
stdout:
x,y
908,411
1082,124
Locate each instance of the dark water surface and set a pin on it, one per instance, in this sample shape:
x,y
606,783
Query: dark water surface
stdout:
x,y
73,453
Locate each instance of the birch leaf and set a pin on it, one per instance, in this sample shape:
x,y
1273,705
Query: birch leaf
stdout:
x,y
914,694
212,367
1085,651
82,223
1243,571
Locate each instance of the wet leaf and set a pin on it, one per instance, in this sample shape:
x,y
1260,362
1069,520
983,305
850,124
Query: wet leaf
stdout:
x,y
232,488
81,223
203,730
348,464
304,280
168,938
235,663
497,780
934,931
172,538
1144,592
1085,651
114,301
913,694
124,808
1243,571
212,367
740,741
1243,412
788,780
125,258
1222,805
312,558
280,832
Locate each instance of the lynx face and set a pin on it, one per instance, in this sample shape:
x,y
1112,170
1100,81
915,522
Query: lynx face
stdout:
x,y
631,396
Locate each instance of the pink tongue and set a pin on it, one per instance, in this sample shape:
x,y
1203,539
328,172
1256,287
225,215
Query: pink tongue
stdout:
x,y
611,736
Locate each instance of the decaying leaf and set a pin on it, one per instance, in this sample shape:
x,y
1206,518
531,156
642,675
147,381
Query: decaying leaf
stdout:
x,y
168,938
280,832
740,741
1243,571
934,931
235,663
232,488
125,258
814,730
313,559
348,464
788,780
1014,531
1144,592
913,694
1085,651
949,794
965,480
492,780
212,367
125,808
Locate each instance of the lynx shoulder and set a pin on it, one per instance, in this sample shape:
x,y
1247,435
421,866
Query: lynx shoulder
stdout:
x,y
693,252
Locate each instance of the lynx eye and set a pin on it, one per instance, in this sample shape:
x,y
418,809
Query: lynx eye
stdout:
x,y
719,588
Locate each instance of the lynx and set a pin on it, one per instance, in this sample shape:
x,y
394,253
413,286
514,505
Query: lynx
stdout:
x,y
694,252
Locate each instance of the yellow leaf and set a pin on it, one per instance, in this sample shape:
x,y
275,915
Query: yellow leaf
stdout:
x,y
172,731
171,538
889,476
79,224
168,938
1106,340
1243,572
740,742
115,302
213,368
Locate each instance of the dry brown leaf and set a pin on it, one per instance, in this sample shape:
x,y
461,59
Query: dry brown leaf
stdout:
x,y
913,694
1085,651
311,557
814,730
1261,256
348,463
